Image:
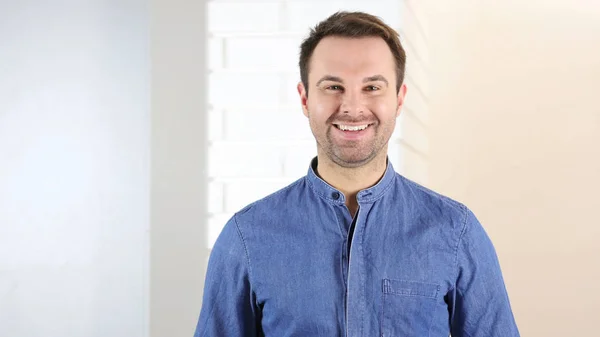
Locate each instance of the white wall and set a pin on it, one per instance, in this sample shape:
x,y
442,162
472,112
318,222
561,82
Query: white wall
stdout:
x,y
74,168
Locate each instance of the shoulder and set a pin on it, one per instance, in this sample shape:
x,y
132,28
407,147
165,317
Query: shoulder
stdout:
x,y
272,204
239,227
425,201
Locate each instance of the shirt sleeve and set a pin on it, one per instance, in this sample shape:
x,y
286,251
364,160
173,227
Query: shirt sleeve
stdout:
x,y
229,303
480,303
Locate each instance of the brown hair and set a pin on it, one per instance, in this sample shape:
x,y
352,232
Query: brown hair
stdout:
x,y
352,25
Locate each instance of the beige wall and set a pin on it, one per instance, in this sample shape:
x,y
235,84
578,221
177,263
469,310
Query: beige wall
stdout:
x,y
515,134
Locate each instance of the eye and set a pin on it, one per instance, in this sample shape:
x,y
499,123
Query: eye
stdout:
x,y
371,88
335,87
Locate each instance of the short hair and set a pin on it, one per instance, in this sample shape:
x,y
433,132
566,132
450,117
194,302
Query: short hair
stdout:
x,y
352,25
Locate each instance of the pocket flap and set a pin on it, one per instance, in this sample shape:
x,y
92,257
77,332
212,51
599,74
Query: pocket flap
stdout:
x,y
410,288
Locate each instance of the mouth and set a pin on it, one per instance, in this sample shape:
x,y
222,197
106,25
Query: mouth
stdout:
x,y
352,132
352,128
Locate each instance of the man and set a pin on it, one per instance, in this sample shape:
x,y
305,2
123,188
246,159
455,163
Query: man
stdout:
x,y
353,248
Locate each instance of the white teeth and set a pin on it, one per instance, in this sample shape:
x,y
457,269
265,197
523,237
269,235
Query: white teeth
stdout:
x,y
352,128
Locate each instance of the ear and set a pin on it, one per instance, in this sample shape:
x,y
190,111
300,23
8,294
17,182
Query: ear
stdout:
x,y
401,97
303,98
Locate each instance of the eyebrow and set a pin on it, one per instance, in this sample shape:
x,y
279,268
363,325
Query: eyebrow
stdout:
x,y
365,80
375,78
329,78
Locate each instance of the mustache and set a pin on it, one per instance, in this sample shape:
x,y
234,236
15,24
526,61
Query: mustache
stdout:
x,y
341,119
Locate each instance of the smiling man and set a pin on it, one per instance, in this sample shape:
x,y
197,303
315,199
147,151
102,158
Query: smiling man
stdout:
x,y
354,248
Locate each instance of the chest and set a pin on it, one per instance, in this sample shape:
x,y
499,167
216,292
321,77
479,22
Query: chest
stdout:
x,y
379,274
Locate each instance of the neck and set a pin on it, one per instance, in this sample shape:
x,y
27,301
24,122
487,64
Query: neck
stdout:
x,y
351,180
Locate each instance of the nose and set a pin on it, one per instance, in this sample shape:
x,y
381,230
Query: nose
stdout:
x,y
352,103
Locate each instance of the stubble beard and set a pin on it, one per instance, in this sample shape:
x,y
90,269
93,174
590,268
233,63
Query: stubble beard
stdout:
x,y
353,154
361,157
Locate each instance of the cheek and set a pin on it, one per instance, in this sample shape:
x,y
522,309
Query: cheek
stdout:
x,y
384,109
325,103
321,108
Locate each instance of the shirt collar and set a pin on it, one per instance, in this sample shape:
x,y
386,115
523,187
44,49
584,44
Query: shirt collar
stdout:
x,y
331,194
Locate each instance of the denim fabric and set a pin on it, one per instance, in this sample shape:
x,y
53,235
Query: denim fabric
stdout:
x,y
415,264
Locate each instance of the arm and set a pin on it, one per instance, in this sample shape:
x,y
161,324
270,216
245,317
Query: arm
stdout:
x,y
479,302
229,304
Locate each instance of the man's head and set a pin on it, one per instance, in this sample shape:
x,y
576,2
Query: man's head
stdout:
x,y
352,64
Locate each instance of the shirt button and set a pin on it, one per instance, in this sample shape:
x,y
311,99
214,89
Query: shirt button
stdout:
x,y
335,195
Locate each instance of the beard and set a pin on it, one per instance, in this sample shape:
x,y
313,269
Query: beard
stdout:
x,y
351,154
355,153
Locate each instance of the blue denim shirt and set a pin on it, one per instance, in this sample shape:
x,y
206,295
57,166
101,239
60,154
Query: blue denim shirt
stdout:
x,y
411,263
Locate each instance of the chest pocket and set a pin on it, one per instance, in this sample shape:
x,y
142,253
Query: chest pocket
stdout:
x,y
407,308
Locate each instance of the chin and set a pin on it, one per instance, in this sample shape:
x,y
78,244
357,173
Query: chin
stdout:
x,y
353,160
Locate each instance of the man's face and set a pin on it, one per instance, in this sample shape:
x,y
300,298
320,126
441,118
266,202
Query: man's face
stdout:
x,y
352,103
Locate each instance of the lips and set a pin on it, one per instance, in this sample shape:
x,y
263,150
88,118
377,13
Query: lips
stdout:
x,y
352,131
346,127
352,127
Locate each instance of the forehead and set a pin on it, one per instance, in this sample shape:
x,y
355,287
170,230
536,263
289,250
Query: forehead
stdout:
x,y
346,57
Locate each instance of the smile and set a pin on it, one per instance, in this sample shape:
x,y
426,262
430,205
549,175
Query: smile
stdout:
x,y
352,127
